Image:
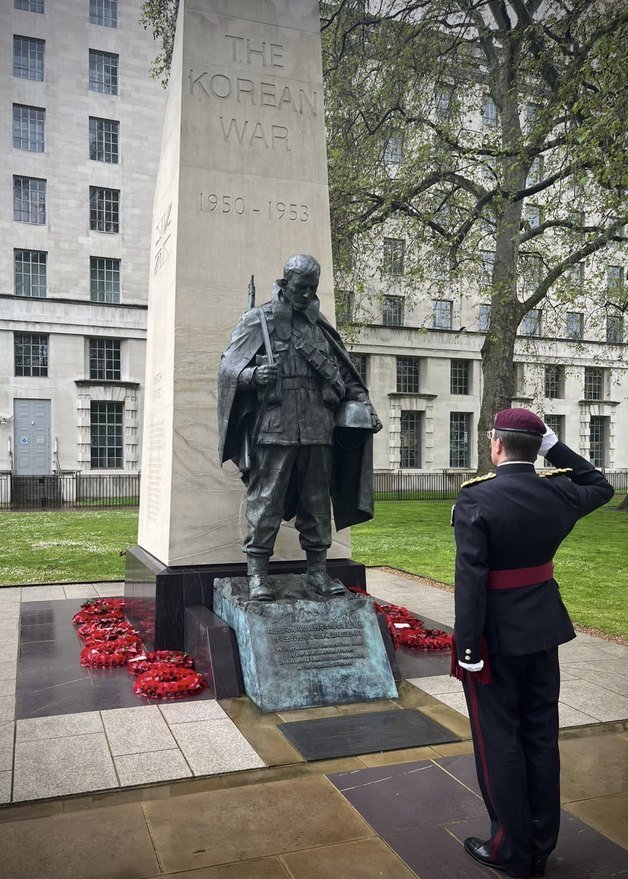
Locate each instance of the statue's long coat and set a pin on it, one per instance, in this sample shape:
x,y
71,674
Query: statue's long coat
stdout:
x,y
352,482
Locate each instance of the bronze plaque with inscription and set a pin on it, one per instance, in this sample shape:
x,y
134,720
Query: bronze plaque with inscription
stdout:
x,y
303,650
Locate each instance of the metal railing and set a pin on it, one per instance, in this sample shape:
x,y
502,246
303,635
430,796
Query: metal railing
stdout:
x,y
70,489
400,485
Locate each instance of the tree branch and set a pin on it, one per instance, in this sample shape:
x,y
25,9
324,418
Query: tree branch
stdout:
x,y
586,250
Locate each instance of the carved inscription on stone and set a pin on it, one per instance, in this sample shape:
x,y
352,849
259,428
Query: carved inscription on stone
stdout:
x,y
256,91
268,209
306,646
162,239
154,486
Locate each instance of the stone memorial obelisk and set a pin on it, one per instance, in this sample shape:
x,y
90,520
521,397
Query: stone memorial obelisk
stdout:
x,y
242,185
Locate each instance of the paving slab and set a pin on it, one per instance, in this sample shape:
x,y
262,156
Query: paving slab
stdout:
x,y
8,670
264,868
608,816
7,708
43,593
607,680
391,797
62,766
79,845
585,696
151,767
7,735
79,590
276,817
570,717
359,859
581,853
137,730
6,779
187,712
7,688
437,685
109,590
213,746
438,854
58,726
593,766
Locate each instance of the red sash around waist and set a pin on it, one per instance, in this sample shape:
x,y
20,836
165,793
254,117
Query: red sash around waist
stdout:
x,y
520,576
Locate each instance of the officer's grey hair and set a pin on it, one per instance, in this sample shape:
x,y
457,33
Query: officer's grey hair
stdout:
x,y
302,264
519,446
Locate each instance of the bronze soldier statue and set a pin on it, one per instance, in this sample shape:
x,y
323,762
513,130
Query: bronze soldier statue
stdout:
x,y
288,398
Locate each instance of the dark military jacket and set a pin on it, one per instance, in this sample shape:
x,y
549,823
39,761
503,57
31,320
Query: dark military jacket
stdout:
x,y
517,519
299,408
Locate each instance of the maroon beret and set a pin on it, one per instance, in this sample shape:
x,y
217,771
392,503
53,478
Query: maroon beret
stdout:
x,y
520,421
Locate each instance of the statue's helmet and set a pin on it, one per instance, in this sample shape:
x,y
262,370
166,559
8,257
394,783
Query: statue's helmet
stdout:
x,y
353,414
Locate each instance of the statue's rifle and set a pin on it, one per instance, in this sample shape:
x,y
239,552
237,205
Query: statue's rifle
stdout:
x,y
269,360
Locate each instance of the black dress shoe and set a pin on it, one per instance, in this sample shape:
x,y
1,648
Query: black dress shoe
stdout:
x,y
481,852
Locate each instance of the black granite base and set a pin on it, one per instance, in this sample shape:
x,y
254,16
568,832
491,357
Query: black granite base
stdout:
x,y
50,678
156,594
330,737
213,645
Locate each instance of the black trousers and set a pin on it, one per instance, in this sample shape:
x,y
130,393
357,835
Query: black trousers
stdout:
x,y
514,723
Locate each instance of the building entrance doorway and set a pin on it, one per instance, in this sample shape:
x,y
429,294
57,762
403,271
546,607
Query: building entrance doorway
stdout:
x,y
33,454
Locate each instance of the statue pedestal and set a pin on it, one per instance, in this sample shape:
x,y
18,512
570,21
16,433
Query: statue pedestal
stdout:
x,y
303,650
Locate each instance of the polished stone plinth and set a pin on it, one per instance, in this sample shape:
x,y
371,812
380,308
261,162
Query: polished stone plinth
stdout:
x,y
212,644
303,650
157,595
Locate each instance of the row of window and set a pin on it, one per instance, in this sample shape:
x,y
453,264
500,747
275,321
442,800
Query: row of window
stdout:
x,y
595,384
31,276
29,204
31,357
29,63
443,100
532,266
460,438
103,12
442,318
29,133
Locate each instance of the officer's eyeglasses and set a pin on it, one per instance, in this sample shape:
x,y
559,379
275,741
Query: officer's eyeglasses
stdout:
x,y
489,435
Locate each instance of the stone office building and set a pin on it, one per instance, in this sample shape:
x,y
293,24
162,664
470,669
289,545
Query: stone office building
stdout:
x,y
80,128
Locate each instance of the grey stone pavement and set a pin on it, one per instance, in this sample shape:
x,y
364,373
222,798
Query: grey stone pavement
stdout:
x,y
69,754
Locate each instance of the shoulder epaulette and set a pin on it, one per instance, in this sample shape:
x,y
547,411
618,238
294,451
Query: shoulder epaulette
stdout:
x,y
560,471
477,479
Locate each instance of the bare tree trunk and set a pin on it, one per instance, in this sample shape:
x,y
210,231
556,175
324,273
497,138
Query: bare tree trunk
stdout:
x,y
506,312
624,504
499,345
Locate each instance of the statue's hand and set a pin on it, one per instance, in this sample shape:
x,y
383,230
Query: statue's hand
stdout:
x,y
263,375
377,424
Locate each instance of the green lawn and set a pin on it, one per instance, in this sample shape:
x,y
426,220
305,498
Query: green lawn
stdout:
x,y
415,536
60,546
590,565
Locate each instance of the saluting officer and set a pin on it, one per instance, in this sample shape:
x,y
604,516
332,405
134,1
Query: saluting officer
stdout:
x,y
510,620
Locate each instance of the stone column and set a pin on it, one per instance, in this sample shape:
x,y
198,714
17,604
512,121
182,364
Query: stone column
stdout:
x,y
242,185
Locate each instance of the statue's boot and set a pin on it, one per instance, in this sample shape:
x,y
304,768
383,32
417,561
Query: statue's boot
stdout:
x,y
318,578
257,573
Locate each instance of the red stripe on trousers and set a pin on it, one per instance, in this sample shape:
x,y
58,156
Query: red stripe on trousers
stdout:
x,y
475,719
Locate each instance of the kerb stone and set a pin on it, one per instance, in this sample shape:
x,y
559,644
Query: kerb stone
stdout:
x,y
303,650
